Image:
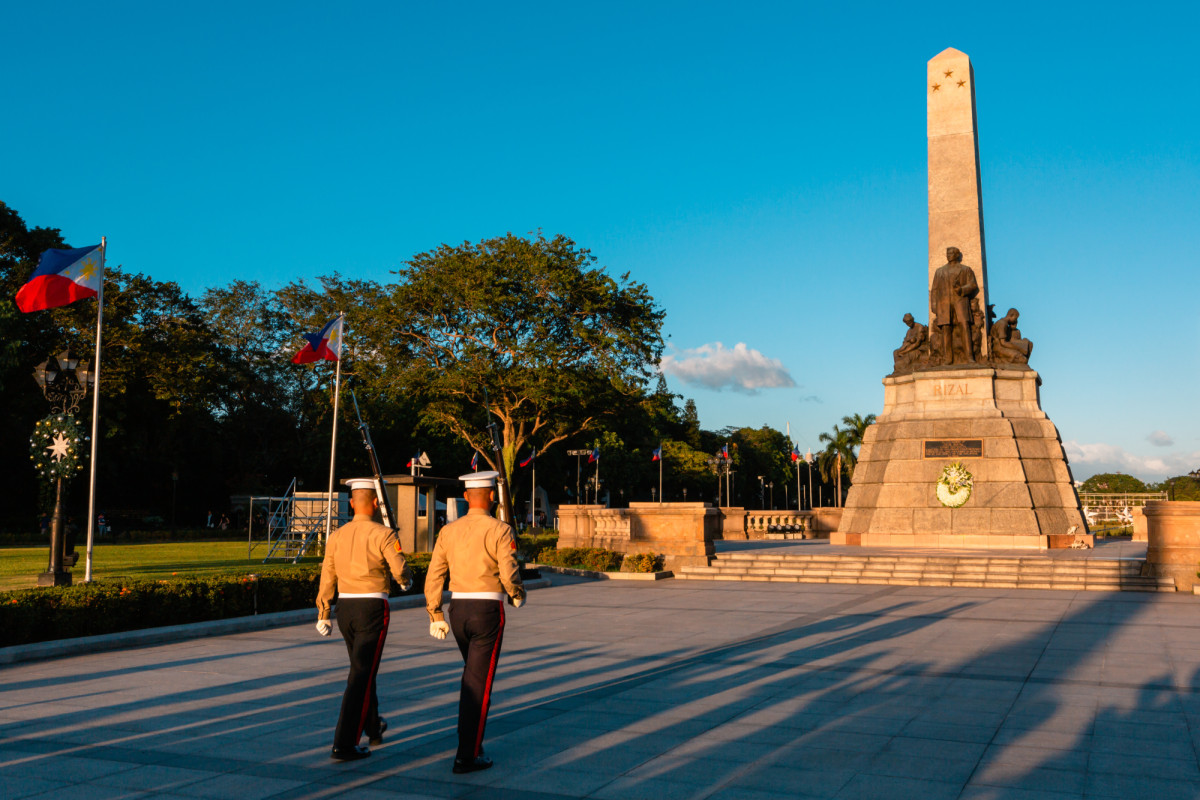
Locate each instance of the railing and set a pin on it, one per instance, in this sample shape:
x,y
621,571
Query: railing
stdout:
x,y
771,521
1099,506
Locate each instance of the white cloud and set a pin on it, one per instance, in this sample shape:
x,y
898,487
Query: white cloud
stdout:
x,y
1160,439
742,369
1089,459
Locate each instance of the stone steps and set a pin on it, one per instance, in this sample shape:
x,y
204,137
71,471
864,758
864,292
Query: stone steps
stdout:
x,y
1009,572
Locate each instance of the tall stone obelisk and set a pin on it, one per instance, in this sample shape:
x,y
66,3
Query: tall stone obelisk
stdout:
x,y
955,194
962,454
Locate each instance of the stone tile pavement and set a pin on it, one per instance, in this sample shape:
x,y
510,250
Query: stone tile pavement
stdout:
x,y
653,690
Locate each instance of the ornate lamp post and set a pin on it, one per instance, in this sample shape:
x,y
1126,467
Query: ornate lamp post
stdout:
x,y
55,446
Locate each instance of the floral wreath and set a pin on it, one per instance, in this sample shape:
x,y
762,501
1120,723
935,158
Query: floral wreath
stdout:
x,y
954,485
55,447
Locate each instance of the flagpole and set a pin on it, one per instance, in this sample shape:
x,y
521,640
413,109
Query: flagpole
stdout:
x,y
661,458
337,390
533,491
91,535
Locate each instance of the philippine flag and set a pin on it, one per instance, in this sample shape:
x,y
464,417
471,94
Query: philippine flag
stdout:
x,y
62,277
657,454
475,462
324,344
528,461
725,452
795,452
594,456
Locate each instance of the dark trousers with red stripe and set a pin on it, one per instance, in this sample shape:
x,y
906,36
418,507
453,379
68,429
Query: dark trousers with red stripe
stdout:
x,y
363,622
478,627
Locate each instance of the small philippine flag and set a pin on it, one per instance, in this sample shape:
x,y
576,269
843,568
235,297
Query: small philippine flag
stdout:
x,y
475,462
657,454
529,460
62,277
325,344
725,451
594,456
795,452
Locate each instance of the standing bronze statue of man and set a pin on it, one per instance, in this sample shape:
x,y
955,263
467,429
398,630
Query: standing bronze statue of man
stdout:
x,y
479,552
950,296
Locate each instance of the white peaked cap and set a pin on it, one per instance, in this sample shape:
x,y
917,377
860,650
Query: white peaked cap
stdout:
x,y
480,480
361,483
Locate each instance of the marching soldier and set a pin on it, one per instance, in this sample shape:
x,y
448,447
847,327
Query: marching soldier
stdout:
x,y
479,553
357,560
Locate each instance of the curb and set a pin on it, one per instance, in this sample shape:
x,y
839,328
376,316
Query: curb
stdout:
x,y
606,576
42,651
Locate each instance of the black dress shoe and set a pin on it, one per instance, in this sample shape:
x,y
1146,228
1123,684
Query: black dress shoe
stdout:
x,y
462,765
376,739
351,754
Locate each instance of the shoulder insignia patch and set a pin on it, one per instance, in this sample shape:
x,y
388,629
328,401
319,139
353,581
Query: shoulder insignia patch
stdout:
x,y
399,549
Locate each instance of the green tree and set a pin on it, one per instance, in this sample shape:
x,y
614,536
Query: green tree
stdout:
x,y
857,424
558,344
1112,482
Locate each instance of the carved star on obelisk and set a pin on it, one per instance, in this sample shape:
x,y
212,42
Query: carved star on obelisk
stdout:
x,y
937,86
58,450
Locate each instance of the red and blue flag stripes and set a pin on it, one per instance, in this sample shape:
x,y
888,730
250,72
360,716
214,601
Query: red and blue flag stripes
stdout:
x,y
325,344
62,277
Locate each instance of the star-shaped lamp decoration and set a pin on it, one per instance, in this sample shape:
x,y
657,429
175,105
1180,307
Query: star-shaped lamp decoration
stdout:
x,y
60,448
55,447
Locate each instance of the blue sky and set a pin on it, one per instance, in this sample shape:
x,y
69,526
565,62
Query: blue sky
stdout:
x,y
760,166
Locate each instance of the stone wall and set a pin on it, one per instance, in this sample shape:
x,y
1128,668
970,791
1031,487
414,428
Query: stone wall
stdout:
x,y
1173,547
681,532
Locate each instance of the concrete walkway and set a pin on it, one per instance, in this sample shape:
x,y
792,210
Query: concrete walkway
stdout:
x,y
654,690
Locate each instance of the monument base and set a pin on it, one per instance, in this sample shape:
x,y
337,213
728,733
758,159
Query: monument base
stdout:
x,y
1018,492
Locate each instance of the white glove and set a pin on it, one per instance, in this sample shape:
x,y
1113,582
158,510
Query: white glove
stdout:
x,y
324,627
517,602
438,630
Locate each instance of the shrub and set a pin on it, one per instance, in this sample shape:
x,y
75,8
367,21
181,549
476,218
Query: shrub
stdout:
x,y
596,559
37,615
642,562
534,541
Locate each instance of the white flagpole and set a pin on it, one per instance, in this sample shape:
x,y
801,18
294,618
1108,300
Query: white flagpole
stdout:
x,y
91,536
337,391
533,492
661,457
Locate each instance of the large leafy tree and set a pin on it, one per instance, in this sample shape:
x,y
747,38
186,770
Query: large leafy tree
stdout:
x,y
1113,482
556,343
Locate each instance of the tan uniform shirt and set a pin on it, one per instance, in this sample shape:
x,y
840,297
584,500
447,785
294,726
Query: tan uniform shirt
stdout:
x,y
480,553
357,559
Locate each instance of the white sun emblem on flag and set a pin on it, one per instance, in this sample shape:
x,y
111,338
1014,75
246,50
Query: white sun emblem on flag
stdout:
x,y
58,450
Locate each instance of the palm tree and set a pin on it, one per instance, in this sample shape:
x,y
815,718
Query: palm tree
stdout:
x,y
841,447
837,457
858,425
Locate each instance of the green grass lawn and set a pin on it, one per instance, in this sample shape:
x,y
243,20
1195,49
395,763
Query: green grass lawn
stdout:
x,y
19,566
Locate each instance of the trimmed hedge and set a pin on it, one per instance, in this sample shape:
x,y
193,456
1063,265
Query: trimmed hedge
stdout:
x,y
596,559
37,615
642,562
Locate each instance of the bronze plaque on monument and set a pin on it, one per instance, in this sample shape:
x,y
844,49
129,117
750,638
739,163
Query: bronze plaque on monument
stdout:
x,y
953,448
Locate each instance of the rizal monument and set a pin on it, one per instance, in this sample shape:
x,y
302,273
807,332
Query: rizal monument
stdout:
x,y
962,454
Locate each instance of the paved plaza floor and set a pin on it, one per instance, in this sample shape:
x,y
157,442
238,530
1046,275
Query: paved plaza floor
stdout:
x,y
664,690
